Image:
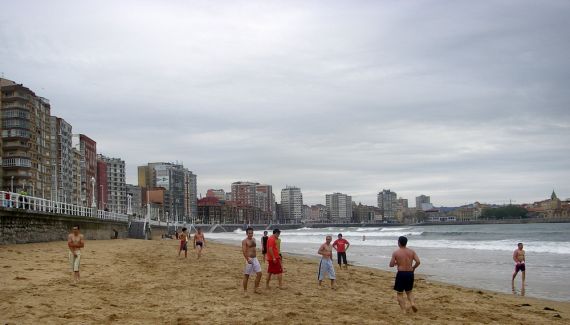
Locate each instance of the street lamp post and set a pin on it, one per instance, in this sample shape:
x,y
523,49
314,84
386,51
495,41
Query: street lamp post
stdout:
x,y
93,203
129,204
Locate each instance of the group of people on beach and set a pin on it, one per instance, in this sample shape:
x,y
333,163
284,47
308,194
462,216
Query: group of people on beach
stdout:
x,y
198,240
404,259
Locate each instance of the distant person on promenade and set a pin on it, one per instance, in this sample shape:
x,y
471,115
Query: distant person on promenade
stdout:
x,y
252,265
403,258
341,246
264,244
326,263
273,259
183,242
519,258
75,242
199,242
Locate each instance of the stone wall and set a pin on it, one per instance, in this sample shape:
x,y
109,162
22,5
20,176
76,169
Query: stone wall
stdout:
x,y
21,226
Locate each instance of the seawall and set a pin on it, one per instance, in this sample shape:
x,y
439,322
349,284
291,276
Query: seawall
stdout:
x,y
24,226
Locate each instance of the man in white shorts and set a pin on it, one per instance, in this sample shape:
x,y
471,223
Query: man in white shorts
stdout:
x,y
326,264
252,265
75,242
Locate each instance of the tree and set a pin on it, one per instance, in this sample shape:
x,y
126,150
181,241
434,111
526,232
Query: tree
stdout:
x,y
504,212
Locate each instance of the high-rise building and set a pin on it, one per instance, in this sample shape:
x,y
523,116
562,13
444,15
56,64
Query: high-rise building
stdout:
x,y
116,183
76,176
135,192
26,138
388,202
180,185
422,199
190,194
254,194
102,185
339,207
61,160
88,166
292,205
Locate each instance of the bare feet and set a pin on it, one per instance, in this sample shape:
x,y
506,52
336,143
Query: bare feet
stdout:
x,y
414,308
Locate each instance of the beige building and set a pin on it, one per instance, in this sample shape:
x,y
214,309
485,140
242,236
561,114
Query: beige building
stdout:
x,y
26,138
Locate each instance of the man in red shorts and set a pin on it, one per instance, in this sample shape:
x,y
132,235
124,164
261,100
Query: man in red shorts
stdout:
x,y
274,260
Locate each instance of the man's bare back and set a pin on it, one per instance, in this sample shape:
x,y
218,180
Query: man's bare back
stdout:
x,y
403,258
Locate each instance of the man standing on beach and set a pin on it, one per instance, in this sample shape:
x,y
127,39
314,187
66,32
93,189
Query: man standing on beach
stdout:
x,y
75,242
341,246
252,265
183,242
264,244
199,241
403,258
519,258
274,260
326,264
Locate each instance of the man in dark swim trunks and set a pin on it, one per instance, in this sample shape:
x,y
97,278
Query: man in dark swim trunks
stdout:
x,y
199,242
519,258
264,244
403,258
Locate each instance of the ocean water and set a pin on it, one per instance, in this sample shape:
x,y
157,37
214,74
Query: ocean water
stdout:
x,y
475,256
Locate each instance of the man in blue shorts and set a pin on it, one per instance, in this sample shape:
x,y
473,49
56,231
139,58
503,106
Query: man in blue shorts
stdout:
x,y
403,258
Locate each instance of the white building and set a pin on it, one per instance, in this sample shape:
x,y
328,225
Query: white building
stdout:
x,y
61,156
339,207
292,205
116,184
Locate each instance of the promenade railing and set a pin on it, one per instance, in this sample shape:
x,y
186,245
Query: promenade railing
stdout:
x,y
31,203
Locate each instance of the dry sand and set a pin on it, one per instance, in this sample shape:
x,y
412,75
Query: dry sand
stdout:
x,y
144,282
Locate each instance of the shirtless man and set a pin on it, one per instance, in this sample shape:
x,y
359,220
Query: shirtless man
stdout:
x,y
199,241
252,265
183,242
75,242
403,257
326,264
519,258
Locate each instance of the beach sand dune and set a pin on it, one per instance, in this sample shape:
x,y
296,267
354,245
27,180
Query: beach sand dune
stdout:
x,y
144,282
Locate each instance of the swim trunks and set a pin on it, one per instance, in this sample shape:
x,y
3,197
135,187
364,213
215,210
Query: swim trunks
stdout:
x,y
341,257
183,245
274,267
253,267
75,261
520,267
326,266
404,281
199,243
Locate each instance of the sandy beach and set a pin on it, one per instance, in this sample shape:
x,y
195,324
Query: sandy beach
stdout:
x,y
144,282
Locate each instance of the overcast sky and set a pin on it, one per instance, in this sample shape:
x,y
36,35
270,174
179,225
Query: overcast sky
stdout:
x,y
459,100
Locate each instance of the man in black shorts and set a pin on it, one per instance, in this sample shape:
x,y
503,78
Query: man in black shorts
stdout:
x,y
264,244
403,258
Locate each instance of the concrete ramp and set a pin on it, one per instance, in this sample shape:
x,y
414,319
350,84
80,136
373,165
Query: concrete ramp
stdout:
x,y
137,230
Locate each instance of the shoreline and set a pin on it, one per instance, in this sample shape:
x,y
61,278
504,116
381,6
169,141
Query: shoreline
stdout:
x,y
135,281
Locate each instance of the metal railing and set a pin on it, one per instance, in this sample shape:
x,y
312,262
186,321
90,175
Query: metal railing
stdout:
x,y
26,202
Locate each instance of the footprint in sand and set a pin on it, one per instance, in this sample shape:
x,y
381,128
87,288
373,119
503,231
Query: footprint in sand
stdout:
x,y
20,278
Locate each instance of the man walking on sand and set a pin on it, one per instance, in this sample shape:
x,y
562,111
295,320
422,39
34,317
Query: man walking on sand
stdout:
x,y
274,260
519,258
341,246
183,242
199,242
252,265
75,242
403,258
326,264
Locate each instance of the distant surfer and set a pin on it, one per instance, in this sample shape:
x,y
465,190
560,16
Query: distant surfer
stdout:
x,y
403,258
519,258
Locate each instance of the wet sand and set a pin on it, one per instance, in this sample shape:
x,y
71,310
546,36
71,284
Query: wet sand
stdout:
x,y
144,282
